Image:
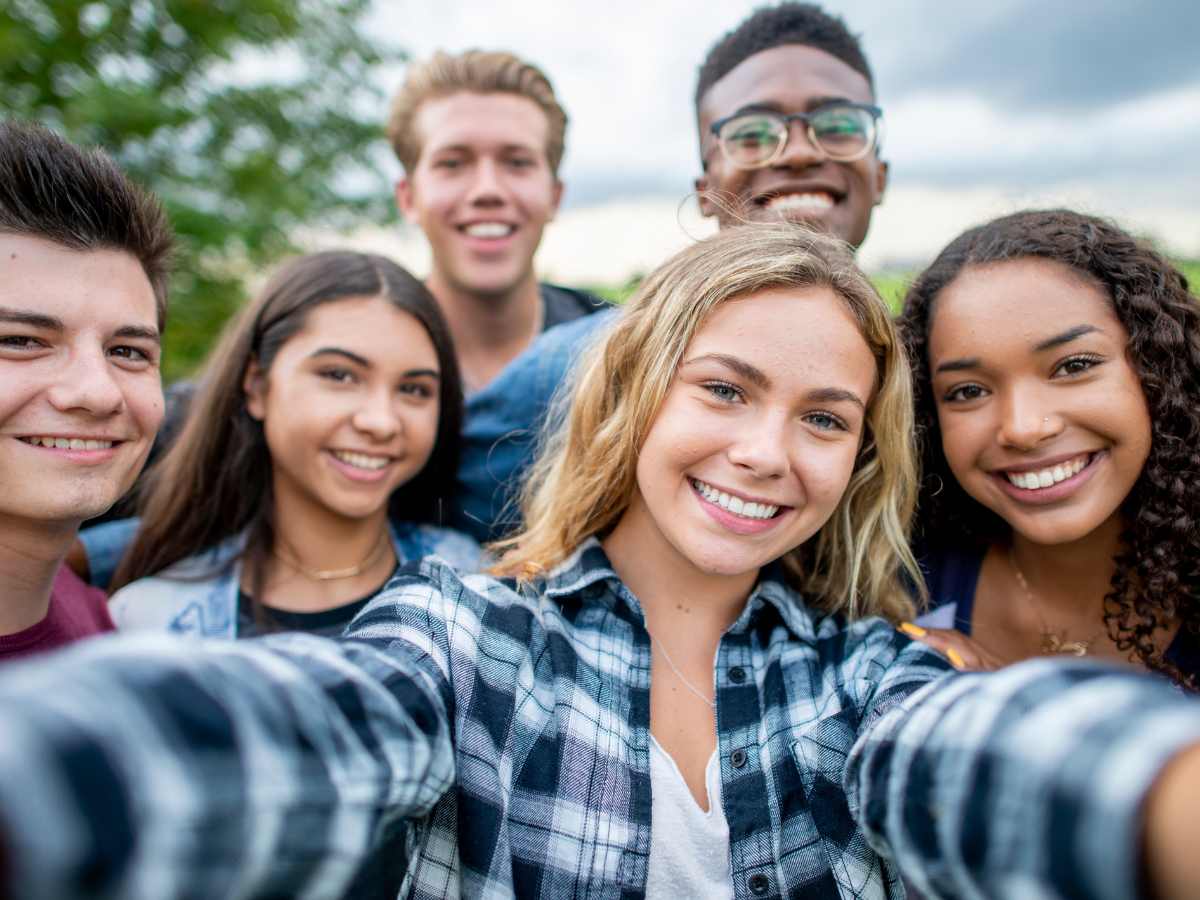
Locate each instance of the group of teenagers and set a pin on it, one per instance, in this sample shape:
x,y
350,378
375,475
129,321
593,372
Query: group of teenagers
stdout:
x,y
557,599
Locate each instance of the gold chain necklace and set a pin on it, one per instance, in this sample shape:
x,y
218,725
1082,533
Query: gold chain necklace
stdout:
x,y
1052,641
336,574
687,684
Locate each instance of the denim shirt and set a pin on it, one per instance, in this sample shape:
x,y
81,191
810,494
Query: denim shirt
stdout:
x,y
509,729
198,596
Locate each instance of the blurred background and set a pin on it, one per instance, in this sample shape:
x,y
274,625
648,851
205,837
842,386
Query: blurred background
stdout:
x,y
260,121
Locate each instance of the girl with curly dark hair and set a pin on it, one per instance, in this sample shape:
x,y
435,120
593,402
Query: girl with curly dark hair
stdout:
x,y
1057,383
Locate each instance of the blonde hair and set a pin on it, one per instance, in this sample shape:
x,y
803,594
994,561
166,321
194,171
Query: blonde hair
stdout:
x,y
474,71
584,478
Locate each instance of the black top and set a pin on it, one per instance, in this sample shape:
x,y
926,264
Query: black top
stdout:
x,y
952,577
326,622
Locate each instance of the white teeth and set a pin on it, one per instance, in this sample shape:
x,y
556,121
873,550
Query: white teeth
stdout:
x,y
362,460
1032,481
68,443
800,201
745,508
489,230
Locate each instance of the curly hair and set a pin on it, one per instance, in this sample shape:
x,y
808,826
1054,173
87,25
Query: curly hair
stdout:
x,y
774,26
1157,576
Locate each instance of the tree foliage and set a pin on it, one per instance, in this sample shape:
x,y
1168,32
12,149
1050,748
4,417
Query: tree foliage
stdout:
x,y
251,119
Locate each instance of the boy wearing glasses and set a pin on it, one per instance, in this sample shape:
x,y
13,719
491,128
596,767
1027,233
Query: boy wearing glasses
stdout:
x,y
787,124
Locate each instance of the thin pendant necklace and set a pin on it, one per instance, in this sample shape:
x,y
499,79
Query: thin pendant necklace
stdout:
x,y
712,703
335,574
1052,641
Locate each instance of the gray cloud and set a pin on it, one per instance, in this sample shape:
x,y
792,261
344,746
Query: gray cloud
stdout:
x,y
1053,55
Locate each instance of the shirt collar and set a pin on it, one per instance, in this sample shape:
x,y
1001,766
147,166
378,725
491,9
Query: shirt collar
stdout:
x,y
580,574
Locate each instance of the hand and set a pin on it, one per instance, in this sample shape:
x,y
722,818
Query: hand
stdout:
x,y
964,653
1172,821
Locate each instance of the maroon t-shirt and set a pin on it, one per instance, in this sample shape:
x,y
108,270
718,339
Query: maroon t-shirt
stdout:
x,y
76,611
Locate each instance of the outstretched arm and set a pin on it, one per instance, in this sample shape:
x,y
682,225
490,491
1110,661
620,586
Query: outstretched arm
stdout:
x,y
144,767
1038,780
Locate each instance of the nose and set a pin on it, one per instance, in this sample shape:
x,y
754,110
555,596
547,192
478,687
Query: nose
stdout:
x,y
760,447
799,152
486,189
377,416
87,384
1026,420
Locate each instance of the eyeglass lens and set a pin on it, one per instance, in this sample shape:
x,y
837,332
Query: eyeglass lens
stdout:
x,y
840,132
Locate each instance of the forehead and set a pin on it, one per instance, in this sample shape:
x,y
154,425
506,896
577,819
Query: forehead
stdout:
x,y
791,77
1018,302
804,336
371,327
481,121
84,288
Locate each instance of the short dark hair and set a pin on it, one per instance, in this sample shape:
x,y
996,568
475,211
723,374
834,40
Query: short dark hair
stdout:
x,y
774,26
79,199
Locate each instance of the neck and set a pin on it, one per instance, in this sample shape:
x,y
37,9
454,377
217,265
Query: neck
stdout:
x,y
489,330
30,554
1074,577
684,606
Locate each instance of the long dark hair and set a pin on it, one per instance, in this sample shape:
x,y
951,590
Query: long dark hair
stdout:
x,y
215,481
1157,577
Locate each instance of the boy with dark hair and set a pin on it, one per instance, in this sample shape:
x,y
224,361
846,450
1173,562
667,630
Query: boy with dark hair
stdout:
x,y
788,126
83,280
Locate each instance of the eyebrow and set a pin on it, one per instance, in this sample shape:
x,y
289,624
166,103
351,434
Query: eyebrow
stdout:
x,y
30,318
51,323
366,363
752,374
1065,337
760,378
772,106
957,365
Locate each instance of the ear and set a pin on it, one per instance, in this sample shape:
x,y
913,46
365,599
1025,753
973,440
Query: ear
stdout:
x,y
700,185
556,196
404,198
881,180
254,385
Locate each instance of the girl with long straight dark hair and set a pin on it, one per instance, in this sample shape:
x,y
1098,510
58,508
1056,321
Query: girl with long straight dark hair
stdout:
x,y
314,459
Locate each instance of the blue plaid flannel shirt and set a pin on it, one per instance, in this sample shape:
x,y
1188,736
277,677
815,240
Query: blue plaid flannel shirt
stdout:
x,y
498,741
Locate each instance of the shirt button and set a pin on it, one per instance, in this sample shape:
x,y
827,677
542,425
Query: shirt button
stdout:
x,y
737,674
759,883
738,760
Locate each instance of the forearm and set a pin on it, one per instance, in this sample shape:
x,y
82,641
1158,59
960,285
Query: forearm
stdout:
x,y
1030,781
1172,825
150,769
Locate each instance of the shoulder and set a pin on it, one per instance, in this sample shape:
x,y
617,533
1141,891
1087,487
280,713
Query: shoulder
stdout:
x,y
951,573
563,304
197,595
415,541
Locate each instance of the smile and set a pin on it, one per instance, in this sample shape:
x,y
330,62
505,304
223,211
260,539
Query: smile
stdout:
x,y
746,509
816,201
365,461
1050,476
488,230
58,443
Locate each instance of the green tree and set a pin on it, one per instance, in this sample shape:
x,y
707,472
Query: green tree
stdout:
x,y
251,119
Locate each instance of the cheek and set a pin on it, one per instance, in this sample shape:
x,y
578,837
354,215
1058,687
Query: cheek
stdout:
x,y
145,399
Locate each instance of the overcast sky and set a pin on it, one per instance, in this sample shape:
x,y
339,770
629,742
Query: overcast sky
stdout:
x,y
988,107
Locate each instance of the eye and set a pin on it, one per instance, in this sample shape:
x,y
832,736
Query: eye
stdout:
x,y
724,391
447,162
416,389
20,342
825,421
521,162
1075,365
964,393
131,354
337,375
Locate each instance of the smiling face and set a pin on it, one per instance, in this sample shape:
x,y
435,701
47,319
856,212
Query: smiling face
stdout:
x,y
802,184
482,189
758,434
349,408
79,361
1042,416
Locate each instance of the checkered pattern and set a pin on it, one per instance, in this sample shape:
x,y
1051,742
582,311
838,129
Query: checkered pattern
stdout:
x,y
511,731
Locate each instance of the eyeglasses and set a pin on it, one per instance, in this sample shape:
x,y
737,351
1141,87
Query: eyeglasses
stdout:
x,y
843,131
